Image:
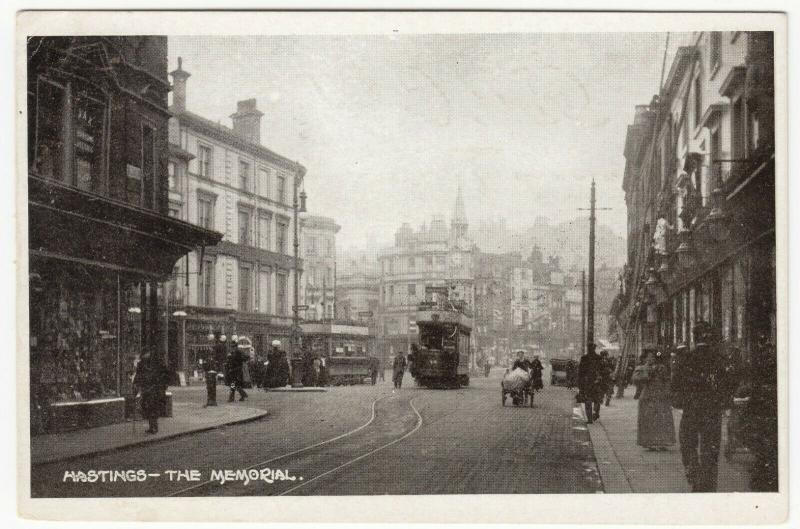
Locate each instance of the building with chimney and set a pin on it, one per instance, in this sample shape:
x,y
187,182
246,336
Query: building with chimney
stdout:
x,y
318,236
224,178
433,256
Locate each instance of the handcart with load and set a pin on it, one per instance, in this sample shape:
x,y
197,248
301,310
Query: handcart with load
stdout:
x,y
516,383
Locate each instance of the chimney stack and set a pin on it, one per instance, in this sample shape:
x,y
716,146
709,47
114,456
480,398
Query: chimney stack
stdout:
x,y
247,121
179,78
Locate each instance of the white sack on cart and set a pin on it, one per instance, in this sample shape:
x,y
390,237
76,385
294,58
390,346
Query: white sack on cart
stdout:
x,y
516,379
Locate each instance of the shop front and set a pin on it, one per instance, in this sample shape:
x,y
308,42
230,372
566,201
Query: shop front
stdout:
x,y
729,280
95,266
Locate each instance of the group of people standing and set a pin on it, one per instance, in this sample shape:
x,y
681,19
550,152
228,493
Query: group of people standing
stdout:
x,y
701,381
242,368
272,373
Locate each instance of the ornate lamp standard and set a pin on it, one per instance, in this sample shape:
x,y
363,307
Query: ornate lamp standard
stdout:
x,y
184,367
298,207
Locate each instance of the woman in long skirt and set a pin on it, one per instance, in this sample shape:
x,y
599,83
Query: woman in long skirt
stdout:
x,y
656,429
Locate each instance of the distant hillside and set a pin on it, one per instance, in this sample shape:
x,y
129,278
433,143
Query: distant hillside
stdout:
x,y
567,240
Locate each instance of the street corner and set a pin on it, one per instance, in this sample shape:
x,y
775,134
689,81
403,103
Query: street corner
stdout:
x,y
186,419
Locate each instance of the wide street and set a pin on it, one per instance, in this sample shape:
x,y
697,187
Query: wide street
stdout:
x,y
362,440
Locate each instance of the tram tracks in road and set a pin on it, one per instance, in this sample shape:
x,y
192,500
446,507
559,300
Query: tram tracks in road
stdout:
x,y
362,456
203,488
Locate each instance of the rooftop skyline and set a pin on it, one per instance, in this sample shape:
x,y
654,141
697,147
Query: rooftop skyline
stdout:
x,y
521,123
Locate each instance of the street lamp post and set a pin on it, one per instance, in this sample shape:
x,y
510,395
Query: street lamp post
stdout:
x,y
297,207
184,366
132,311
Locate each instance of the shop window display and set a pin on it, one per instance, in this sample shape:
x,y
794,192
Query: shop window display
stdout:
x,y
75,339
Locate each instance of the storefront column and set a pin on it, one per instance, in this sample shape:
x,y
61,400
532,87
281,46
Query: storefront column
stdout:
x,y
153,316
118,374
143,323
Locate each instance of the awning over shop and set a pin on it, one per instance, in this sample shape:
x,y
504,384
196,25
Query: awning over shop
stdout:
x,y
75,225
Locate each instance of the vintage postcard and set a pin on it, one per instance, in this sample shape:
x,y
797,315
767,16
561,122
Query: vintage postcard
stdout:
x,y
402,266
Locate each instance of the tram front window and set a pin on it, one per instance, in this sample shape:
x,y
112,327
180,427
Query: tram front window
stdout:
x,y
430,338
441,338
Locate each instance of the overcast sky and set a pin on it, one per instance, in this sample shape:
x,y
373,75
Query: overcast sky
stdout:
x,y
389,126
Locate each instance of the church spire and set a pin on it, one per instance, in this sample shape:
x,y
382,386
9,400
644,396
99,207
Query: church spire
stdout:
x,y
458,223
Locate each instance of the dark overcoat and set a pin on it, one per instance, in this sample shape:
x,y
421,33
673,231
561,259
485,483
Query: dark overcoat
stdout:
x,y
152,379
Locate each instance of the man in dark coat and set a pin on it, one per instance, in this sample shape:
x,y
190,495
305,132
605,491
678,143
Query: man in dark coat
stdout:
x,y
374,365
233,373
590,383
520,362
309,375
152,379
760,421
703,387
398,370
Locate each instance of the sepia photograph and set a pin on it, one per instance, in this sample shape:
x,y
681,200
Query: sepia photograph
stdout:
x,y
415,260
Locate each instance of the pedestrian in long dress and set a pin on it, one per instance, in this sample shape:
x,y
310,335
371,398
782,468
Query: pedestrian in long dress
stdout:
x,y
536,373
655,426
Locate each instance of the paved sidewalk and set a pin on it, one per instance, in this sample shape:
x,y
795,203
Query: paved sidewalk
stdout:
x,y
187,417
303,389
627,467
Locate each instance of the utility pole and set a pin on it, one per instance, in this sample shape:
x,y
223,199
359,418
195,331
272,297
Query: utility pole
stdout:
x,y
589,334
590,300
583,311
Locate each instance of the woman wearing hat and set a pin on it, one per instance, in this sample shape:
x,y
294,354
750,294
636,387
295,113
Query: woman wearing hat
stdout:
x,y
655,427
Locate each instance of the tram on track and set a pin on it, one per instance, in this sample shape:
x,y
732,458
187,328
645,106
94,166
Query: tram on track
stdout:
x,y
345,348
442,358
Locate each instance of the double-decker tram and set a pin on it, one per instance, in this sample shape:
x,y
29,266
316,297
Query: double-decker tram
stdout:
x,y
442,358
